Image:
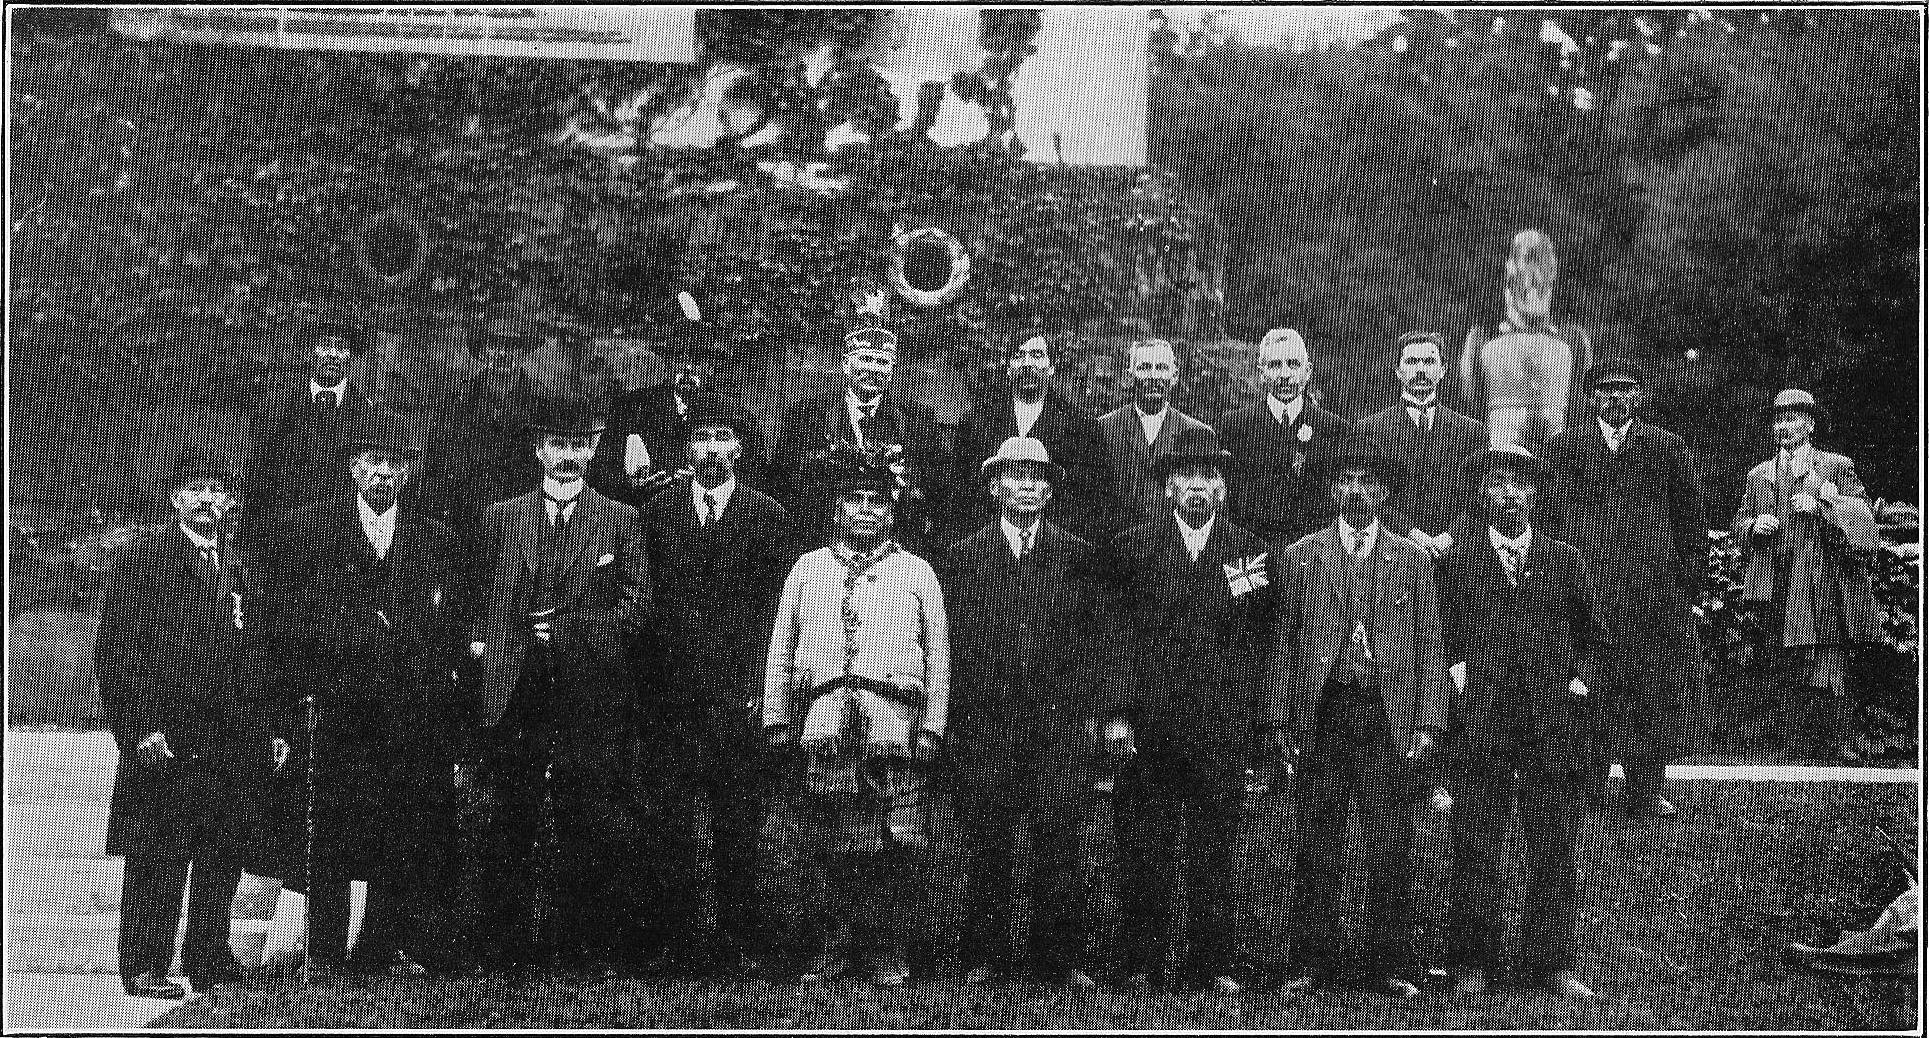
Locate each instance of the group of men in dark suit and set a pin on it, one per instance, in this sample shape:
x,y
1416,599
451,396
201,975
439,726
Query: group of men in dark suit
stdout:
x,y
1202,613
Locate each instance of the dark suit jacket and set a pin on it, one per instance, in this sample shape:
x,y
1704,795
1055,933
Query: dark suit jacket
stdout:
x,y
376,641
651,413
1521,645
1267,492
1087,503
814,423
1024,647
715,593
1434,492
1140,495
295,455
1405,635
1195,684
172,657
603,602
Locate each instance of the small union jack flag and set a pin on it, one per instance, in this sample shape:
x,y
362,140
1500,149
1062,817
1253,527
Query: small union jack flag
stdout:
x,y
1246,575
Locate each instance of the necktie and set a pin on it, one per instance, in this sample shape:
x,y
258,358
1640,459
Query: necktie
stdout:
x,y
1510,559
1358,547
325,400
709,508
865,412
210,567
1024,542
559,510
1783,467
1614,439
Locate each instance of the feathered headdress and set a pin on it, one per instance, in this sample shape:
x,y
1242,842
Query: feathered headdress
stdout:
x,y
845,466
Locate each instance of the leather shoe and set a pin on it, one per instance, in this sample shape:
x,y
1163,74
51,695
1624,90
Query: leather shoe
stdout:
x,y
152,985
1565,984
1392,986
1656,806
1077,980
401,965
1226,986
1297,987
1472,982
214,978
980,975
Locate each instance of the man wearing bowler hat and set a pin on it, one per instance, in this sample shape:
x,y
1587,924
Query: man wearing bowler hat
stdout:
x,y
1518,611
565,587
1024,602
719,551
179,691
1189,715
1803,517
864,412
1360,690
295,436
365,603
479,451
1627,495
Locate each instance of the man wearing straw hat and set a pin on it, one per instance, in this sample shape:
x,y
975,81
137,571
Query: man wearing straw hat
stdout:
x,y
366,607
1519,616
179,692
1024,600
1803,517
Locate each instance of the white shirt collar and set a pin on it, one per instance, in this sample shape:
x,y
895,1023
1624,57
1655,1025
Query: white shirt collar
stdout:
x,y
200,543
339,391
1286,412
1013,536
1608,431
1025,413
1415,405
854,405
1802,457
1150,424
1347,531
721,493
1521,543
370,517
1195,539
562,491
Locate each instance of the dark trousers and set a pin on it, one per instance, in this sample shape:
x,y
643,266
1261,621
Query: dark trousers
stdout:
x,y
400,913
733,791
151,912
1487,793
1645,776
1352,763
1045,800
1158,796
874,902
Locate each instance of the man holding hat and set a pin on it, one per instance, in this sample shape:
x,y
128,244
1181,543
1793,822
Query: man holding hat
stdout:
x,y
1629,498
1803,515
1360,700
1431,436
1190,714
645,438
479,452
179,689
1024,605
719,551
564,592
858,677
864,413
1137,432
365,605
1279,446
295,436
1520,623
1085,500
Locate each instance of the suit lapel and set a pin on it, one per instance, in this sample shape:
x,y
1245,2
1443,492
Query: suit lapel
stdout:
x,y
590,508
529,526
1331,557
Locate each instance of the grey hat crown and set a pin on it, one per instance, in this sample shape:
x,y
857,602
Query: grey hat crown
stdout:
x,y
1017,449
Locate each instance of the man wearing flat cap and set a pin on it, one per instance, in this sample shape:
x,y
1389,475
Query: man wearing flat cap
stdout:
x,y
1024,601
1279,446
1084,502
1628,496
1804,516
564,592
719,551
365,606
295,435
1518,611
1140,430
864,412
479,450
1188,713
1360,700
180,691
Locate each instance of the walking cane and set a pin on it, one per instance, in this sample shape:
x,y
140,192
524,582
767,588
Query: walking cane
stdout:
x,y
310,722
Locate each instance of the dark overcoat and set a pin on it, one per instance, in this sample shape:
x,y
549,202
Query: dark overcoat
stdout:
x,y
1137,488
816,422
1025,649
1276,484
295,455
1522,644
1434,491
1085,501
715,590
1825,593
376,642
1193,684
480,452
176,656
651,413
1636,516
